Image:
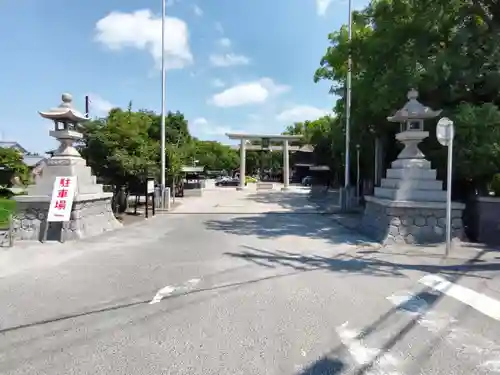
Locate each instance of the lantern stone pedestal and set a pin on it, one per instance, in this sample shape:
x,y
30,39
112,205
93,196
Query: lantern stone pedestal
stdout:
x,y
410,205
91,213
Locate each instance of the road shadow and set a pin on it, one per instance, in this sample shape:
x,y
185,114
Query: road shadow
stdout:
x,y
274,225
297,201
324,366
414,310
360,263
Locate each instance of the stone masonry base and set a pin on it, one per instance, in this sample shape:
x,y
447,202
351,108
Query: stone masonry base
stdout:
x,y
409,225
88,218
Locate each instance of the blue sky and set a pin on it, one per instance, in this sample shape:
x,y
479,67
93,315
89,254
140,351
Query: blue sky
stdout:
x,y
234,65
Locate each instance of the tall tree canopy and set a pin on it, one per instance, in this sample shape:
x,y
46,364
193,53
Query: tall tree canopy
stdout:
x,y
447,49
124,147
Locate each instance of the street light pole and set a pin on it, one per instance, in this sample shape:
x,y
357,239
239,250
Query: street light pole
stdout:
x,y
348,114
162,126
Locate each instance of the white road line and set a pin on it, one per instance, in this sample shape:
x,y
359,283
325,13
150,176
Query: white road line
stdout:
x,y
364,355
169,290
482,303
162,293
472,346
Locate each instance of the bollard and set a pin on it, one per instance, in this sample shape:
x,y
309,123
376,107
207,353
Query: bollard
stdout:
x,y
167,198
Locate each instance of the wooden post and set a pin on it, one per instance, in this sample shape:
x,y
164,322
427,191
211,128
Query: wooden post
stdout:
x,y
147,195
154,203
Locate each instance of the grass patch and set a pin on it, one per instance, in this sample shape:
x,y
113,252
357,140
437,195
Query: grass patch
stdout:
x,y
7,206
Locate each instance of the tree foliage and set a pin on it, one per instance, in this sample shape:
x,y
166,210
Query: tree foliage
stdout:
x,y
12,159
447,49
124,147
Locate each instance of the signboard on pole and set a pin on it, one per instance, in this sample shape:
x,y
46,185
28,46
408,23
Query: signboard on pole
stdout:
x,y
63,194
445,132
150,186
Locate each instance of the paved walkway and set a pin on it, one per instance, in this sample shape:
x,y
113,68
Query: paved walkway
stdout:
x,y
245,283
231,201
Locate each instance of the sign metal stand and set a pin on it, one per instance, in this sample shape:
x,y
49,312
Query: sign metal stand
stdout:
x,y
445,132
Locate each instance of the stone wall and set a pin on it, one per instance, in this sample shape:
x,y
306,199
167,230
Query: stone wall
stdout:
x,y
88,218
409,225
28,224
91,218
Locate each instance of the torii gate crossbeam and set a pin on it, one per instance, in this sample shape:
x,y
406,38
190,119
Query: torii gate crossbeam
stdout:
x,y
286,150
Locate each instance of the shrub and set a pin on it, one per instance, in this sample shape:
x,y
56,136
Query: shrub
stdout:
x,y
6,193
495,184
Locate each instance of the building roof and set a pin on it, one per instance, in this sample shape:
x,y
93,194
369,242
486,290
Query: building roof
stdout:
x,y
7,144
29,160
32,160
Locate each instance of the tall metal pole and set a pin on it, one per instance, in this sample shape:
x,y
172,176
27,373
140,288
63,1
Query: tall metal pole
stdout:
x,y
348,111
162,126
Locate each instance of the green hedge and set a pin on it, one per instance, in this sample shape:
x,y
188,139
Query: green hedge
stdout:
x,y
7,206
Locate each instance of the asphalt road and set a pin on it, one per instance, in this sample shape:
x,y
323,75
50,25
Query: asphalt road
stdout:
x,y
246,284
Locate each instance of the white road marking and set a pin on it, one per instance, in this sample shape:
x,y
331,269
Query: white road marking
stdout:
x,y
471,345
364,355
162,293
169,289
482,303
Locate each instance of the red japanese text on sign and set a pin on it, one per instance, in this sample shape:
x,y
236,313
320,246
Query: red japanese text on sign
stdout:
x,y
60,204
62,193
64,182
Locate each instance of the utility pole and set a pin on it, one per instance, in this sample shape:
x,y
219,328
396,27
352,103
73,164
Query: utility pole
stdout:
x,y
348,116
162,126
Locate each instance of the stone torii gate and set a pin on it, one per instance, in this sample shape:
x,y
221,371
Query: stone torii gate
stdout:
x,y
265,139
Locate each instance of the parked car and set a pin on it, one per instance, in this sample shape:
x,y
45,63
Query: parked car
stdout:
x,y
307,181
228,182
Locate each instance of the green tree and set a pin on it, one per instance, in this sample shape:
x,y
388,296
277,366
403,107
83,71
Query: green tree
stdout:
x,y
447,49
12,159
176,128
213,155
119,149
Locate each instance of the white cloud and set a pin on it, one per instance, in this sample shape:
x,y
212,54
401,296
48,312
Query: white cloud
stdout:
x,y
225,42
142,30
228,59
248,93
219,28
218,83
200,121
322,6
99,106
301,113
202,126
197,10
170,3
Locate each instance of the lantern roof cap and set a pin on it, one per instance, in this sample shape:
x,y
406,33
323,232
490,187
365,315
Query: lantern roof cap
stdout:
x,y
413,110
65,111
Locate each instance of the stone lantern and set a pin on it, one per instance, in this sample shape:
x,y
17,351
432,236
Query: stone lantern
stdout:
x,y
410,204
411,118
66,120
91,212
